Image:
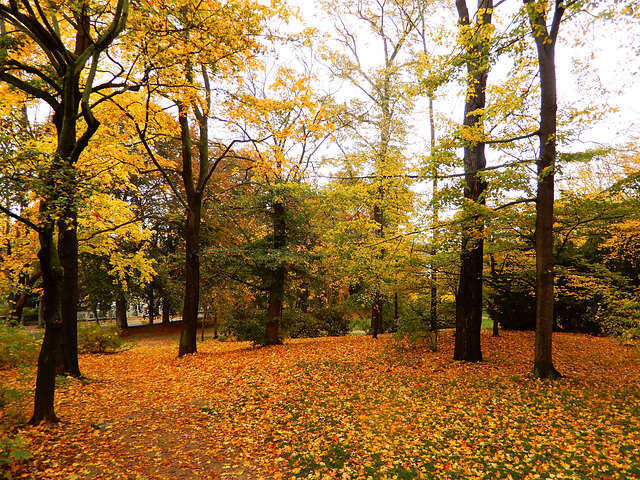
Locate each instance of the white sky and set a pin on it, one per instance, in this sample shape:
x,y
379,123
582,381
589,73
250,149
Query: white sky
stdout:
x,y
614,62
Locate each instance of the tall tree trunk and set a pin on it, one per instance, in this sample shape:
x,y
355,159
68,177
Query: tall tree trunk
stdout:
x,y
194,192
545,44
494,307
151,305
376,315
44,405
469,297
433,307
189,335
121,308
68,252
378,217
166,311
278,277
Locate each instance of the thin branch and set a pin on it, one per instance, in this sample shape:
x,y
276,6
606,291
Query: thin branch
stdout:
x,y
21,219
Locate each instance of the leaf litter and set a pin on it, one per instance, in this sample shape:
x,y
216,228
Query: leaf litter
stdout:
x,y
348,408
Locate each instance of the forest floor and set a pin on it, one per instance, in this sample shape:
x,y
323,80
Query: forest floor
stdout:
x,y
346,408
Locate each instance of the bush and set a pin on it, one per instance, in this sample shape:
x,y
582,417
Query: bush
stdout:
x,y
297,324
248,326
414,331
17,346
334,321
620,317
92,338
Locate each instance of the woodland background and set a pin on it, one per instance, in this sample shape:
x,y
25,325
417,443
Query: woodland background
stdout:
x,y
403,167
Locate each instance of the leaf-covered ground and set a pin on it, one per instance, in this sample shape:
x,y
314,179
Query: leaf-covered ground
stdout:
x,y
347,408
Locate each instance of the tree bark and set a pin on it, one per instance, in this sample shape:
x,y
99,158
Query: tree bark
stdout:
x,y
121,308
151,305
494,307
469,297
545,45
68,252
166,311
189,333
278,277
44,404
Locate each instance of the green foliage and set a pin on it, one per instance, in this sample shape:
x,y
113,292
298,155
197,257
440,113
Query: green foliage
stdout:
x,y
247,326
620,317
17,347
12,400
12,451
92,338
334,321
414,328
331,321
297,324
414,332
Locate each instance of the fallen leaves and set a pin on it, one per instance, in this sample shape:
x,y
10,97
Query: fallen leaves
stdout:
x,y
347,408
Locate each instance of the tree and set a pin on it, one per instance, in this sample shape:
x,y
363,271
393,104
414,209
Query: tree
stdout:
x,y
545,40
68,40
476,38
381,128
290,123
188,51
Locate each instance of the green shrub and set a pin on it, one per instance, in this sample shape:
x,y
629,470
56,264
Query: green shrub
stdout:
x,y
620,317
92,338
248,327
297,324
17,346
12,451
414,331
334,321
30,315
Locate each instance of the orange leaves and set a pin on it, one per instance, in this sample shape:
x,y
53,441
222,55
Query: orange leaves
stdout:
x,y
346,408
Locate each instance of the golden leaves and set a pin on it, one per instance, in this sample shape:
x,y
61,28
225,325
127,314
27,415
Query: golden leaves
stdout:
x,y
346,408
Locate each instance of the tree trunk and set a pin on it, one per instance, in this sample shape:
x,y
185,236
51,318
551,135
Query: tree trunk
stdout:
x,y
121,308
469,296
41,312
545,45
166,311
189,335
44,405
278,277
68,252
376,315
433,307
494,307
378,217
151,305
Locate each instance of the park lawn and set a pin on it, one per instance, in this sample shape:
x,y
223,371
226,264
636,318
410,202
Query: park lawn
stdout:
x,y
346,408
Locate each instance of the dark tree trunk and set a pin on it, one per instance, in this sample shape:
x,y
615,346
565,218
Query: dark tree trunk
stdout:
x,y
433,307
151,305
68,252
494,307
278,277
44,405
41,312
166,311
469,296
189,335
121,308
194,193
378,217
545,45
376,315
